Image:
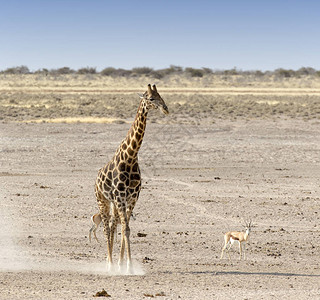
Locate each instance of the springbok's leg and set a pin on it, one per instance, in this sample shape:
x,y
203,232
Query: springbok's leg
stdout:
x,y
231,243
240,250
227,243
223,249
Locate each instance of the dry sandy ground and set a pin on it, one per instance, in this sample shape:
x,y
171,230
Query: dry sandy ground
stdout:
x,y
204,169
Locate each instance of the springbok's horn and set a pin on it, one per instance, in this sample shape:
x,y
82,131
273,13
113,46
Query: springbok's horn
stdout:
x,y
149,89
154,88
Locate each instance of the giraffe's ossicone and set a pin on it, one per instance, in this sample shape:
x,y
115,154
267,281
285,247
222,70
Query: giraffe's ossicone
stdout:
x,y
118,183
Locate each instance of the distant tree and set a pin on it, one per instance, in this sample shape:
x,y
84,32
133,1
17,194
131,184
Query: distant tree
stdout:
x,y
17,70
87,70
306,71
42,71
207,70
176,69
108,71
284,73
258,73
232,71
123,72
65,70
142,71
160,73
194,72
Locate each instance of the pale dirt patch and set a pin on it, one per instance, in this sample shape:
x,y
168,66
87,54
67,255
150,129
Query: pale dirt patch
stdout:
x,y
214,160
72,120
198,182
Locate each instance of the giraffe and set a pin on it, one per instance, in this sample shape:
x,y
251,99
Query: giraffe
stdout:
x,y
118,183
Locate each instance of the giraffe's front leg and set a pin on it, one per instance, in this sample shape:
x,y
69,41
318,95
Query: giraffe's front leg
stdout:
x,y
121,257
125,241
113,224
113,227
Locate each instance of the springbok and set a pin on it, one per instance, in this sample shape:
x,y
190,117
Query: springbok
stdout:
x,y
242,237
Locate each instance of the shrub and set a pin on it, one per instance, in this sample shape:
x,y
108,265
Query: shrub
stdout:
x,y
233,71
175,69
167,71
123,72
87,70
158,74
108,71
284,73
17,70
194,72
207,71
42,71
142,71
258,73
65,70
305,71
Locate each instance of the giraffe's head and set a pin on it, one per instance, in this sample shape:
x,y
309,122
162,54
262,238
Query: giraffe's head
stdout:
x,y
153,100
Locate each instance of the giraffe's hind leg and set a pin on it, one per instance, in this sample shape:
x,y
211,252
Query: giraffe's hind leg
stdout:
x,y
113,224
104,209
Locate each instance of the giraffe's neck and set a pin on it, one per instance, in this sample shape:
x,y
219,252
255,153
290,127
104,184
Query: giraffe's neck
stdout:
x,y
132,143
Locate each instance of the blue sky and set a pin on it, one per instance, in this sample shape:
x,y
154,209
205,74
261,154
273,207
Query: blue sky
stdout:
x,y
249,35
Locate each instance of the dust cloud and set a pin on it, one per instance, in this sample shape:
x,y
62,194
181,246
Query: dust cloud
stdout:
x,y
14,258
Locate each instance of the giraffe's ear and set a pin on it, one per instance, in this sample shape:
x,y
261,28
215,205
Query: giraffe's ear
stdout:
x,y
140,95
155,88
